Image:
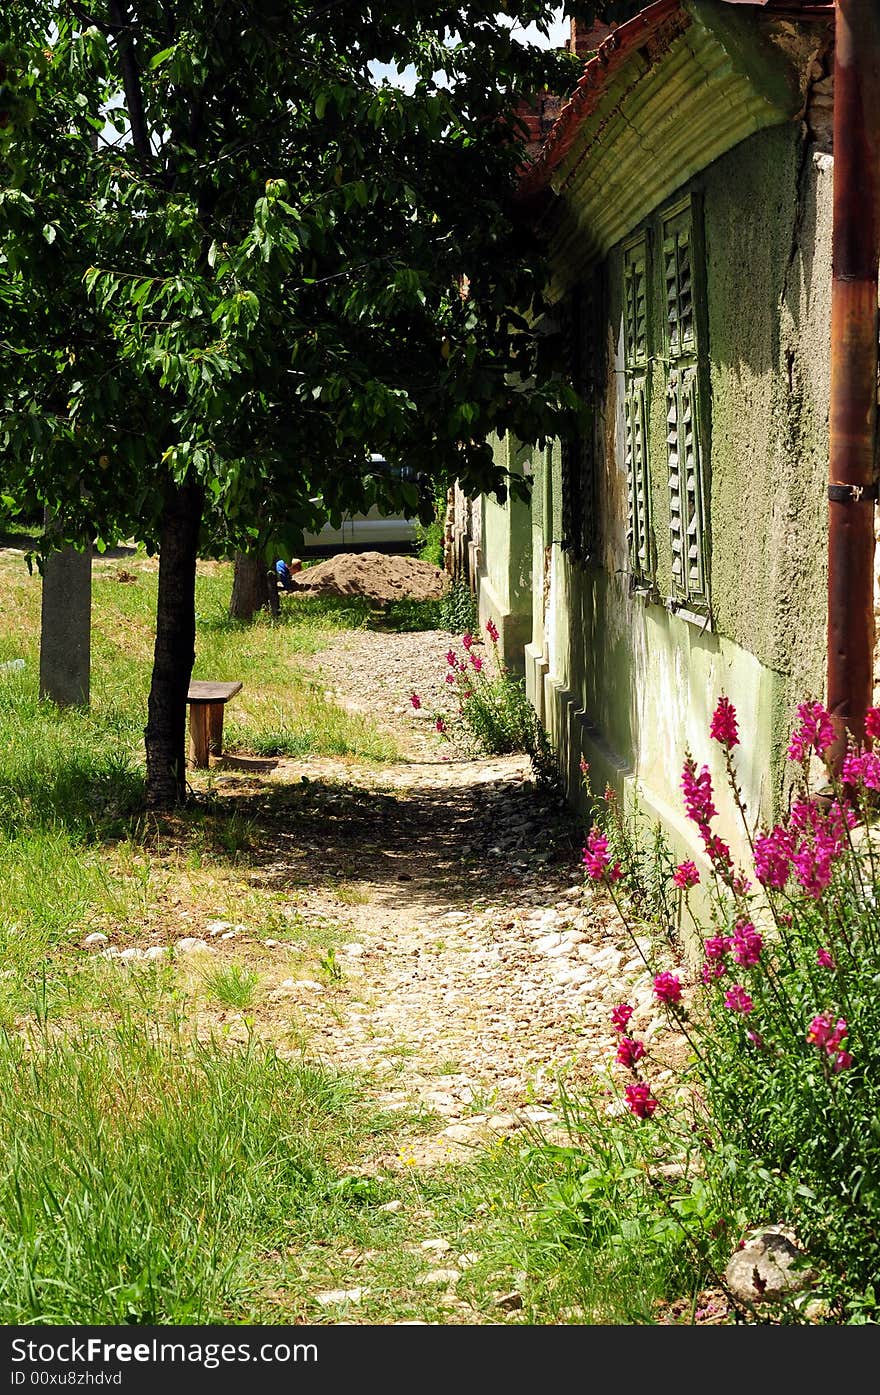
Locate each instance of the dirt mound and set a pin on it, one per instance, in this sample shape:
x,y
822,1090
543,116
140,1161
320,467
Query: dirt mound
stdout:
x,y
379,576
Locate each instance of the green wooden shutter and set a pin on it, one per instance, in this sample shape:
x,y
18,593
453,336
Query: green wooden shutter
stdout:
x,y
583,338
636,357
685,435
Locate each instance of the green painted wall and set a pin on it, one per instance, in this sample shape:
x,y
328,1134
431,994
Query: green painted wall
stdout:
x,y
629,683
505,581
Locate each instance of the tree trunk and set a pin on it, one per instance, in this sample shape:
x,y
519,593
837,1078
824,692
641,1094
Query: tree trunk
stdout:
x,y
66,624
174,655
252,587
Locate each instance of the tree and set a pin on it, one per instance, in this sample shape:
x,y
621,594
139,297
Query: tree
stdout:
x,y
254,587
237,261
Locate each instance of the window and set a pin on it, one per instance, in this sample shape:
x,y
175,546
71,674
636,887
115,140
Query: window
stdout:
x,y
636,364
583,323
685,433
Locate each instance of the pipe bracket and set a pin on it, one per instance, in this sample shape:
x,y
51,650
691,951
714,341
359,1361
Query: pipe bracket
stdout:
x,y
852,493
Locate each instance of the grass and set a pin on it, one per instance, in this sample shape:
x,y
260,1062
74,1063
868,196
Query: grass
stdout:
x,y
145,1176
232,985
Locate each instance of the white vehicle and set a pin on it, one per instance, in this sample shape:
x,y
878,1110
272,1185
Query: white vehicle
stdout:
x,y
366,532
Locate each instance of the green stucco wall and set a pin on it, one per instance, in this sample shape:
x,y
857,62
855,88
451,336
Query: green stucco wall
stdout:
x,y
770,384
626,682
505,581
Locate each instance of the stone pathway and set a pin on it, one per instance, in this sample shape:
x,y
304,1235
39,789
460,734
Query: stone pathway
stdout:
x,y
475,970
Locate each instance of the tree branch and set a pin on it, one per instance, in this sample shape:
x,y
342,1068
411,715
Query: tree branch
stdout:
x,y
134,98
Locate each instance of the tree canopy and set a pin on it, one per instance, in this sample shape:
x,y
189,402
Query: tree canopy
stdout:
x,y
237,259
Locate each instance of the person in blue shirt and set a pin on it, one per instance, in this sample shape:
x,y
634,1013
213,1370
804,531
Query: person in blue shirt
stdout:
x,y
283,572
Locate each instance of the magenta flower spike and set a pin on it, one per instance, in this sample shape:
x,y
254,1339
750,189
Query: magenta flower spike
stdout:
x,y
723,726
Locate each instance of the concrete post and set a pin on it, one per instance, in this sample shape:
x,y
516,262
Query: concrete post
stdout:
x,y
65,635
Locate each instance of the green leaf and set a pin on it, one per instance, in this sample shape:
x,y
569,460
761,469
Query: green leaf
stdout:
x,y
159,58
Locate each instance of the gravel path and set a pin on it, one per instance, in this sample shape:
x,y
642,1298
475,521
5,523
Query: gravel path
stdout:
x,y
475,969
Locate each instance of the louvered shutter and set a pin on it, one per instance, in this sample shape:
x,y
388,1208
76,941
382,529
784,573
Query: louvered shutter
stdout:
x,y
636,357
686,452
583,337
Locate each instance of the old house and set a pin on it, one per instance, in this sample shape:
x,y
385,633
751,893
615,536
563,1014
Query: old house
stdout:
x,y
677,547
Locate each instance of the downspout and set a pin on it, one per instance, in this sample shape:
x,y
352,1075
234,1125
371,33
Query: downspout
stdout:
x,y
853,409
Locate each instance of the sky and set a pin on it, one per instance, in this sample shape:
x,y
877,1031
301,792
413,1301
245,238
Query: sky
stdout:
x,y
557,38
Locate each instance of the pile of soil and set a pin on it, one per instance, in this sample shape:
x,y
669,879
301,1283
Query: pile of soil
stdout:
x,y
379,576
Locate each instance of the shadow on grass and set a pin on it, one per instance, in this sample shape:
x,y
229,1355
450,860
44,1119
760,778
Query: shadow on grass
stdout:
x,y
90,801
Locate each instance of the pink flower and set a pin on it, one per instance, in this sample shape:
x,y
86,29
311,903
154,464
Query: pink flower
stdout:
x,y
741,884
685,875
584,767
812,867
640,1100
808,818
862,770
841,816
595,857
416,701
738,1000
629,1051
614,873
467,640
815,731
819,1030
698,794
440,725
716,946
805,815
756,1039
773,853
747,945
872,723
825,959
451,658
723,726
477,662
621,1015
667,988
712,969
823,1034
717,850
491,631
450,678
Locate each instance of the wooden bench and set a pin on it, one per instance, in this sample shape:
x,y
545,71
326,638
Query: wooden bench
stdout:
x,y
206,702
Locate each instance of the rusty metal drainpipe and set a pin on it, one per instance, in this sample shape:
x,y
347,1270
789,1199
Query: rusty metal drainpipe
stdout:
x,y
854,324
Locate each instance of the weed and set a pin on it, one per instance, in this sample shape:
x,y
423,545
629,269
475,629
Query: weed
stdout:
x,y
458,609
331,966
493,707
232,985
352,894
